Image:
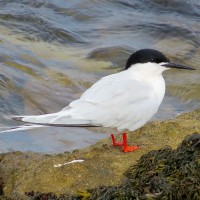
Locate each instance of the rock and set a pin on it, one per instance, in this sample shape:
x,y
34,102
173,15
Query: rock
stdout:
x,y
159,174
101,166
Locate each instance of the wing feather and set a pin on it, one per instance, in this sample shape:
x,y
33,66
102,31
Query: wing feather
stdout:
x,y
114,102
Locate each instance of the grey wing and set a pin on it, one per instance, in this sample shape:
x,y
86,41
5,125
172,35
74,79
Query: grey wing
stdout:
x,y
113,103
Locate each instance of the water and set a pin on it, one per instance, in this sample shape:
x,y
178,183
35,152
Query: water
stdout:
x,y
52,51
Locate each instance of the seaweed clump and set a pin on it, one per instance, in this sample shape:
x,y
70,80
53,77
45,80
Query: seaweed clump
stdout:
x,y
160,174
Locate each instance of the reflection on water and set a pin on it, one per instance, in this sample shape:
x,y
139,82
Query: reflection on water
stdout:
x,y
48,140
52,51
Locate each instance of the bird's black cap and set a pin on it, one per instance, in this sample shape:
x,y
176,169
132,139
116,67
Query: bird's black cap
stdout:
x,y
145,56
154,56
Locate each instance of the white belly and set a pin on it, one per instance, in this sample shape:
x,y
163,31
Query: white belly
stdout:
x,y
134,115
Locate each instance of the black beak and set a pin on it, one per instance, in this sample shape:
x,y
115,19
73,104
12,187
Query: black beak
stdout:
x,y
174,65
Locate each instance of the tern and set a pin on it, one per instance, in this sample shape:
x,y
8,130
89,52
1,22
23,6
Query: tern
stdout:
x,y
125,100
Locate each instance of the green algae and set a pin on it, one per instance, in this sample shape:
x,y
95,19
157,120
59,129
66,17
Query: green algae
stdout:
x,y
24,68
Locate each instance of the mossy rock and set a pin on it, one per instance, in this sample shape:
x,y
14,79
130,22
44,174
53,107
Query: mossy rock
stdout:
x,y
160,174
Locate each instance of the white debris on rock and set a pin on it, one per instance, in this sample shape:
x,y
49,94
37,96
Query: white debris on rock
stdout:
x,y
67,163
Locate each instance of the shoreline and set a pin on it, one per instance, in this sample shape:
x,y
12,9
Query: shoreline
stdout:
x,y
97,165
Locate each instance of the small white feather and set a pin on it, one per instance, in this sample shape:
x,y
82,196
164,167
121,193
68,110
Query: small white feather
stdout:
x,y
67,163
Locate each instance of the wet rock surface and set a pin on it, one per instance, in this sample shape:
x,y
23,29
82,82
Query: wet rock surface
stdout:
x,y
162,169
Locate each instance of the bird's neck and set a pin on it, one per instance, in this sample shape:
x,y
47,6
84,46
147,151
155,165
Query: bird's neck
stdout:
x,y
147,70
152,76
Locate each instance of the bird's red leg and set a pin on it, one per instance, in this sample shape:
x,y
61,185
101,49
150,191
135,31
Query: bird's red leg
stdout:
x,y
115,144
123,143
128,148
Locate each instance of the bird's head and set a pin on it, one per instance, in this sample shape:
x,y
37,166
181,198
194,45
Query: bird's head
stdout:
x,y
155,59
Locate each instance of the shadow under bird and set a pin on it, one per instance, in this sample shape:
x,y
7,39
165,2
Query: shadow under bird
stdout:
x,y
126,100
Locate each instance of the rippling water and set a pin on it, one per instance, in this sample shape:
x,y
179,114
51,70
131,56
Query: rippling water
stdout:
x,y
52,51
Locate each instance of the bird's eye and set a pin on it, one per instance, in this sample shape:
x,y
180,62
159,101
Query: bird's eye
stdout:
x,y
155,60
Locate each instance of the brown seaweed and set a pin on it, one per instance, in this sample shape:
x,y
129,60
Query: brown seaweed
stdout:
x,y
160,174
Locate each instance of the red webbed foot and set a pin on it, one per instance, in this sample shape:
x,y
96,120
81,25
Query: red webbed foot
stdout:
x,y
123,143
126,148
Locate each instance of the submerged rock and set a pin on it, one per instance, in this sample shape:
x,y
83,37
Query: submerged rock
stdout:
x,y
114,54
